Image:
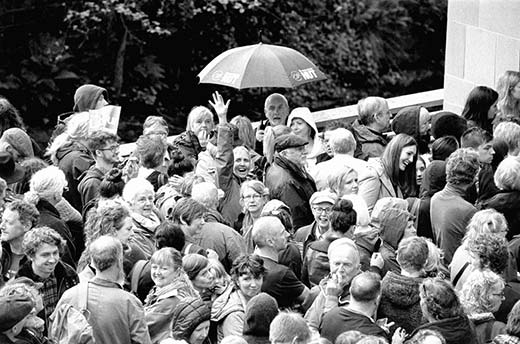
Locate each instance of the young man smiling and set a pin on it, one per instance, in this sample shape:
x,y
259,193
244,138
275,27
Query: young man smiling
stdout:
x,y
42,246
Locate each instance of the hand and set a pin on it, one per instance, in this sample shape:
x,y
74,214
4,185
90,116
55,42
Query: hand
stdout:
x,y
333,287
399,336
203,137
131,169
384,324
212,254
260,135
220,107
377,260
176,181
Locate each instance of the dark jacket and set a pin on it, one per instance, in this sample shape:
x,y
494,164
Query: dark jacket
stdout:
x,y
50,217
507,203
316,262
306,235
187,315
74,159
486,327
434,180
400,301
372,142
5,262
339,320
293,186
457,330
88,186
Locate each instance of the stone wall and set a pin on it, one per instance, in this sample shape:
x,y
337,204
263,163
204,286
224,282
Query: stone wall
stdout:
x,y
483,41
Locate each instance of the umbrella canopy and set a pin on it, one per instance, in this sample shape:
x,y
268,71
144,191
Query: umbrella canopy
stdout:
x,y
260,65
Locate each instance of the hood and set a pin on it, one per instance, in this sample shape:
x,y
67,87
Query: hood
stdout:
x,y
92,172
305,114
260,312
434,178
407,121
187,315
503,201
401,291
454,330
390,215
364,134
87,96
227,303
70,147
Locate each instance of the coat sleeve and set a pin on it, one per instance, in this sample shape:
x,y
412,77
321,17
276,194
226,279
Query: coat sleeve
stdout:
x,y
369,187
233,324
137,324
224,158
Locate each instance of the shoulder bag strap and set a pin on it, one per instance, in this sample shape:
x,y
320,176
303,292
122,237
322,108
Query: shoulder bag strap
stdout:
x,y
136,273
459,274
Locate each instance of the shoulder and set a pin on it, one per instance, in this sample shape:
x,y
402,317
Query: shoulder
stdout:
x,y
302,233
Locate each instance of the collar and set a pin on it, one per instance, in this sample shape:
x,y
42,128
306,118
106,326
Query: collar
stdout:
x,y
360,313
105,283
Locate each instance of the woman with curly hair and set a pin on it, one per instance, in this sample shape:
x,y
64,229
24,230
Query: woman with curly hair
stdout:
x,y
111,218
481,296
443,312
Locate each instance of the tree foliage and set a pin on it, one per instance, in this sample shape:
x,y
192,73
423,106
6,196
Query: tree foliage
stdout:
x,y
147,53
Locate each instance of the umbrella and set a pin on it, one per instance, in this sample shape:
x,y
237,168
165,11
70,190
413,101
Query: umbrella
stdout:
x,y
260,65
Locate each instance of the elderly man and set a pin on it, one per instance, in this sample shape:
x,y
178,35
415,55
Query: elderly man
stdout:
x,y
334,291
42,246
321,205
374,120
289,328
104,148
450,213
18,218
342,144
365,293
280,282
276,109
287,179
116,316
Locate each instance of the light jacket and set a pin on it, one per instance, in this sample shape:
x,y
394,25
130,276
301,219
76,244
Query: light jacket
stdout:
x,y
375,184
228,312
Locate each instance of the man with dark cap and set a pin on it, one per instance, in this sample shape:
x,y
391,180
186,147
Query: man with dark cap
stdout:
x,y
287,179
14,310
260,312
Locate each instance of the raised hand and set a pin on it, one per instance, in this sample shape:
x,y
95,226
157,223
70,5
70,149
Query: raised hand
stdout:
x,y
220,107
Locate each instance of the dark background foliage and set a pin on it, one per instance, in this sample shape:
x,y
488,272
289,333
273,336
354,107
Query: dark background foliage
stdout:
x,y
147,53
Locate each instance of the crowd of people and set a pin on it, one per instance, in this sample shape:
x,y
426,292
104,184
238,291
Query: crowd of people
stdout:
x,y
385,230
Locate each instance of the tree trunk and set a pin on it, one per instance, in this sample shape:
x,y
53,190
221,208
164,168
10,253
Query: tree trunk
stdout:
x,y
119,67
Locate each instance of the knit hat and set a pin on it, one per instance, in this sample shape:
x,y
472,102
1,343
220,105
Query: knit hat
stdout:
x,y
194,263
305,114
87,96
390,215
260,312
283,142
20,141
407,121
13,309
10,171
447,123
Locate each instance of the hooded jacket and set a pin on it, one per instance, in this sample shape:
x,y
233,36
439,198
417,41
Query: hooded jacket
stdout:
x,y
293,186
457,330
407,121
74,159
87,96
88,186
400,301
228,312
187,315
372,142
305,115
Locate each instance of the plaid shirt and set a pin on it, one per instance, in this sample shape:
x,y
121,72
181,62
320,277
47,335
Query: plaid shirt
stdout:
x,y
49,293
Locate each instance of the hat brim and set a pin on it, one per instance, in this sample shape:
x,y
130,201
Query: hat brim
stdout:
x,y
14,177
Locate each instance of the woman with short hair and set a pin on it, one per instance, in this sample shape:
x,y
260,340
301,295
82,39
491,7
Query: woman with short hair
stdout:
x,y
253,196
228,310
481,296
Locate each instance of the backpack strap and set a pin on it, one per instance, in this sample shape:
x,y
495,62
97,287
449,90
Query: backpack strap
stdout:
x,y
136,273
459,274
83,299
187,248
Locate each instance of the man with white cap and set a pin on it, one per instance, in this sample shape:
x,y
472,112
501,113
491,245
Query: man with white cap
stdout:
x,y
321,203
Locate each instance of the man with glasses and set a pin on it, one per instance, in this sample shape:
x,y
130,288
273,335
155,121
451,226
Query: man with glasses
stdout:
x,y
321,203
104,148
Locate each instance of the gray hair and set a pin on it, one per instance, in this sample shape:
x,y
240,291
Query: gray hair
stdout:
x,y
46,183
105,251
134,187
508,132
205,193
263,229
368,107
289,327
341,141
507,175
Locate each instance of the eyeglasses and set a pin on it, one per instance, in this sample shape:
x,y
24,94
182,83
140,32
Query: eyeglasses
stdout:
x,y
252,197
111,148
322,210
500,295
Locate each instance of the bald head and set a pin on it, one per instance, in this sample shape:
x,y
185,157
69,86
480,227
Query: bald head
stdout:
x,y
266,228
105,252
205,193
365,287
276,109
